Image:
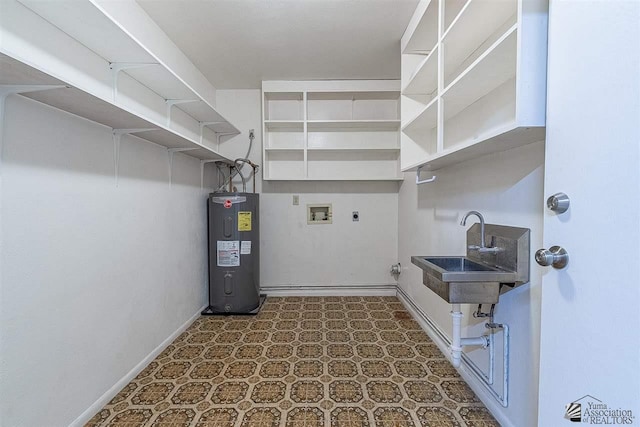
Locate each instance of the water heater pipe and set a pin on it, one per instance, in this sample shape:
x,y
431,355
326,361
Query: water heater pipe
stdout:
x,y
457,343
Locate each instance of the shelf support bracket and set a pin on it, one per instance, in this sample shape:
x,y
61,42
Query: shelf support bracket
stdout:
x,y
171,102
220,135
424,181
205,124
117,138
6,90
116,67
171,152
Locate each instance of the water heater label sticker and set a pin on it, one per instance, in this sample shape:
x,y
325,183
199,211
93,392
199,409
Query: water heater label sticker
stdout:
x,y
228,253
245,247
244,221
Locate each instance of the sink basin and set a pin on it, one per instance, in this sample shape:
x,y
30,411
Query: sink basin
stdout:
x,y
480,276
460,280
457,263
462,269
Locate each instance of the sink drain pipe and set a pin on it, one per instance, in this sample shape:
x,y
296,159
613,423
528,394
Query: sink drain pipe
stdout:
x,y
457,343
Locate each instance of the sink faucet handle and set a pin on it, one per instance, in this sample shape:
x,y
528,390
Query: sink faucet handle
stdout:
x,y
492,249
484,249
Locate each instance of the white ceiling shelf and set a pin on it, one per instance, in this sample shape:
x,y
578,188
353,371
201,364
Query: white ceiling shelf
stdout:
x,y
425,79
426,119
88,106
484,83
494,67
423,28
342,130
500,139
475,23
357,149
353,125
159,79
292,125
284,149
89,24
350,95
344,178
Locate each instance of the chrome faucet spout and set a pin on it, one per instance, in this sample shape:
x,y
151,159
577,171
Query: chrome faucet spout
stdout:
x,y
481,218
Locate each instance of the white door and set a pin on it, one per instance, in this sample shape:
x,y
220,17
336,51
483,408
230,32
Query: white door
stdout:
x,y
590,332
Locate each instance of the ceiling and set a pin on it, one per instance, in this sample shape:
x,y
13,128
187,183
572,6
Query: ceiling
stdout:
x,y
238,43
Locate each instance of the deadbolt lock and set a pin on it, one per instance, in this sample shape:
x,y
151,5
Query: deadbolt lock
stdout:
x,y
558,203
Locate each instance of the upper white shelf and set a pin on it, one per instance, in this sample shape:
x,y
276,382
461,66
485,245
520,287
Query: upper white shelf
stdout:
x,y
356,149
475,25
89,23
426,119
331,130
355,125
292,125
509,136
425,79
494,67
423,29
84,104
481,89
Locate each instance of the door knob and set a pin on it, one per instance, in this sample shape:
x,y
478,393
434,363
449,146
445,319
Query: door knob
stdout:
x,y
555,256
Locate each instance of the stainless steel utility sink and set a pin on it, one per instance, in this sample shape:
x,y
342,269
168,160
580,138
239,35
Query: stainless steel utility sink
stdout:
x,y
460,280
481,276
462,269
456,263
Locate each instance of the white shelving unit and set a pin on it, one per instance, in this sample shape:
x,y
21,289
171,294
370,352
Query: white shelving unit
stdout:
x,y
331,130
473,78
75,56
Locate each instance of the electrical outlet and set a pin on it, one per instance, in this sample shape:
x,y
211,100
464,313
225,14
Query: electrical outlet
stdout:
x,y
296,200
355,216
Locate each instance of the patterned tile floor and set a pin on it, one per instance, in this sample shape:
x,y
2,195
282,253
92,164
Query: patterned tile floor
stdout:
x,y
301,362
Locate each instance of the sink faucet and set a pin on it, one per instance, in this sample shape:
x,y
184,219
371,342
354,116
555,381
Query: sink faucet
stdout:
x,y
482,247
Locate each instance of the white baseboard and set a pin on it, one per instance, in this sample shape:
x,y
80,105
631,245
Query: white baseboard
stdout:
x,y
433,331
329,290
110,394
443,342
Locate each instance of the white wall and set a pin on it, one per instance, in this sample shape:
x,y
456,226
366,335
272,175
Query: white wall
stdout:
x,y
94,276
507,189
294,253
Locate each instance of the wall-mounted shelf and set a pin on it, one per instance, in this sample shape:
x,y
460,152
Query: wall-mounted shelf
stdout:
x,y
504,138
93,24
496,65
427,118
331,130
284,149
477,24
424,80
481,88
381,149
293,125
83,104
113,73
421,34
354,125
